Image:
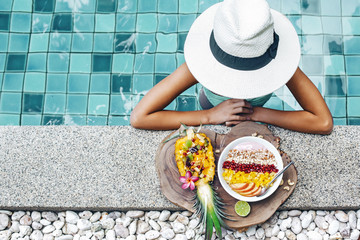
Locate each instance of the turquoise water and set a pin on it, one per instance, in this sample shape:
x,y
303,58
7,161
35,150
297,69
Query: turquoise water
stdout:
x,y
88,62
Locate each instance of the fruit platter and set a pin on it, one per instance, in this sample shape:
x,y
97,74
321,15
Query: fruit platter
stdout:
x,y
191,168
247,165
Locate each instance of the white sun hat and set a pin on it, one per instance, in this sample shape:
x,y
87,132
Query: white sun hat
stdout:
x,y
242,49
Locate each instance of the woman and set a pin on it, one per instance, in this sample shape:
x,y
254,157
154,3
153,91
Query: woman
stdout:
x,y
241,50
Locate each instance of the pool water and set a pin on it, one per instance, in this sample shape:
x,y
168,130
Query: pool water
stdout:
x,y
88,62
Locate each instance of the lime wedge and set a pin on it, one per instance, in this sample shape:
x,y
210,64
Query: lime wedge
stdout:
x,y
242,208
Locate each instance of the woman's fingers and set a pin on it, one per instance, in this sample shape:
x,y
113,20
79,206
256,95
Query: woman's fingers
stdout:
x,y
240,103
239,110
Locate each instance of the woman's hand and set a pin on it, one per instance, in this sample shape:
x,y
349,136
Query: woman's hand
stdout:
x,y
230,112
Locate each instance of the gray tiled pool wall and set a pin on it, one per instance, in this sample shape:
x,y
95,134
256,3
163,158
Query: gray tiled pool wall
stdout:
x,y
88,62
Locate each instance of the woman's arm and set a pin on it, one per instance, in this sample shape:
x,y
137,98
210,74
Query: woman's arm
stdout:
x,y
315,118
149,113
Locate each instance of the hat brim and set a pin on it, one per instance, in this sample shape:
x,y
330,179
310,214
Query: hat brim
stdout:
x,y
233,83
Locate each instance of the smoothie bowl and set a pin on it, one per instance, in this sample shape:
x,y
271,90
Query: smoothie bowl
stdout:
x,y
246,166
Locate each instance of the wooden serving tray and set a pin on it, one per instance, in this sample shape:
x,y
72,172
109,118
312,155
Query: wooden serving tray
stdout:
x,y
260,211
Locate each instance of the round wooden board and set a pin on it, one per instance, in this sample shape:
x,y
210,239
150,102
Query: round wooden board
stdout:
x,y
260,211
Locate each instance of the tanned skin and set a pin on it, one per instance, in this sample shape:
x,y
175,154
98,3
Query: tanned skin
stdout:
x,y
150,114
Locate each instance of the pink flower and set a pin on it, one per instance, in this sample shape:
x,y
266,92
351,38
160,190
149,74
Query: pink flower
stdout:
x,y
188,181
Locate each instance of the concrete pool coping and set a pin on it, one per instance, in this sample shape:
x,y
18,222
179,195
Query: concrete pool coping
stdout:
x,y
113,168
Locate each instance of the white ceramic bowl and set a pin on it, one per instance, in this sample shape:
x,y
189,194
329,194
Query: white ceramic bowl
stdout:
x,y
231,146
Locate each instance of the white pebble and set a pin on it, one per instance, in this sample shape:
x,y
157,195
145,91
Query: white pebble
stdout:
x,y
302,236
135,214
48,229
294,213
180,237
173,216
178,227
333,227
58,224
108,223
45,222
290,235
154,225
4,221
352,219
110,235
193,223
36,235
274,238
228,237
275,231
95,217
83,224
66,237
190,234
268,232
358,224
85,215
50,216
285,224
321,222
283,214
186,213
121,231
36,216
260,233
36,225
57,233
99,235
273,219
296,225
312,235
281,235
341,216
9,213
131,237
182,219
302,215
77,237
329,218
15,227
5,235
251,231
17,215
167,233
114,215
71,217
307,220
25,220
321,213
355,234
48,237
336,236
133,227
345,232
153,214
238,234
70,228
164,215
142,227
152,234
140,237
25,230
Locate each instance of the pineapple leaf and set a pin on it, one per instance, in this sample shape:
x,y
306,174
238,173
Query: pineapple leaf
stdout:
x,y
209,226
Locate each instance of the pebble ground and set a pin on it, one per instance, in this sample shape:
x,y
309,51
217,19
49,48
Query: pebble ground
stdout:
x,y
141,225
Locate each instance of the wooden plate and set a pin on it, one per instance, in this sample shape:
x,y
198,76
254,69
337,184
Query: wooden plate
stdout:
x,y
260,211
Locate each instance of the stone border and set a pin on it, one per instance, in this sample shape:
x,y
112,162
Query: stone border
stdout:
x,y
113,168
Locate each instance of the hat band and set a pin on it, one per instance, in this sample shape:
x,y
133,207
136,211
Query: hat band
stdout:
x,y
240,63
